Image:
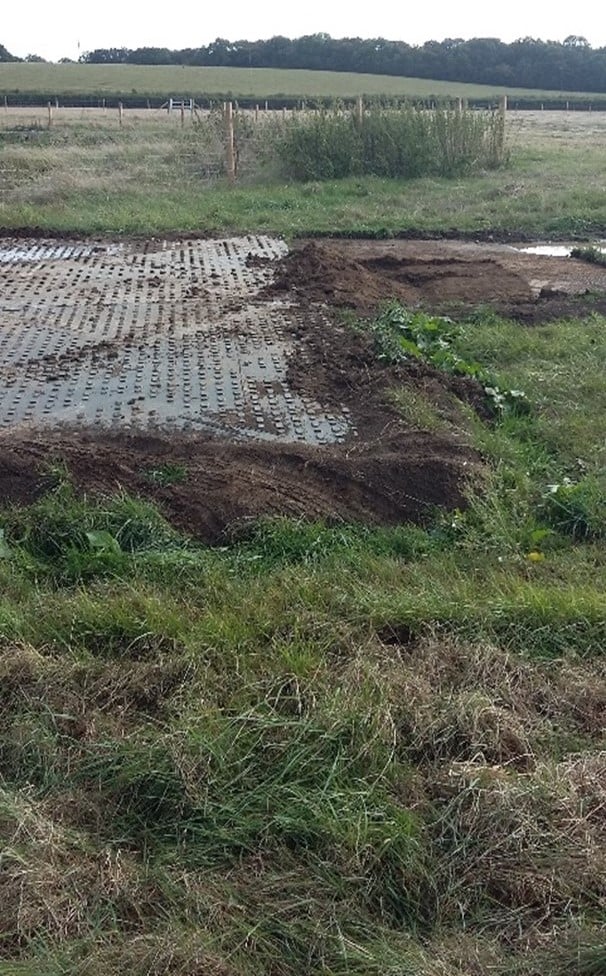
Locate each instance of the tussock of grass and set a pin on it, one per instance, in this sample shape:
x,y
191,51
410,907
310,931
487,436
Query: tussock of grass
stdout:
x,y
55,887
418,410
277,542
593,255
404,144
70,539
505,829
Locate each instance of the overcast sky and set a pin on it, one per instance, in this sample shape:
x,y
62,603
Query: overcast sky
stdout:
x,y
54,29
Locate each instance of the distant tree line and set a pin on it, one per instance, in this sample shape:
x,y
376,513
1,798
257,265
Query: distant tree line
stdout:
x,y
527,63
6,55
572,65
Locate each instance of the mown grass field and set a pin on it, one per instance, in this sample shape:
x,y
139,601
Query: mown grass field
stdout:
x,y
167,80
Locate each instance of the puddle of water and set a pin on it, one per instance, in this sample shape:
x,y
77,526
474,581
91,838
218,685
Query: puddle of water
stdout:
x,y
556,250
549,250
51,252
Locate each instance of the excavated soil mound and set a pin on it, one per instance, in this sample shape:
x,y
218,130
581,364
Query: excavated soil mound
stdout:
x,y
444,276
331,273
401,478
321,273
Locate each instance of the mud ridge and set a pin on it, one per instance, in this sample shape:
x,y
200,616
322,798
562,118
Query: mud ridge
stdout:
x,y
448,277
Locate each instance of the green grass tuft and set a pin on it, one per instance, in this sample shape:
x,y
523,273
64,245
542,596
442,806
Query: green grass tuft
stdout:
x,y
403,144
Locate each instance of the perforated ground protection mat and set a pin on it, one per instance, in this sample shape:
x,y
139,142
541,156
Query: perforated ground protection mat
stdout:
x,y
152,335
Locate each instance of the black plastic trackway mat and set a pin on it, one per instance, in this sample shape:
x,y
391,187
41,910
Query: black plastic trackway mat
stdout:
x,y
152,334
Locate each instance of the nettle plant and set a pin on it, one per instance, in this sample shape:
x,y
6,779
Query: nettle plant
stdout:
x,y
402,334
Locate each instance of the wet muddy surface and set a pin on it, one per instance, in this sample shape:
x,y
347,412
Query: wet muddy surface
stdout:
x,y
162,335
225,360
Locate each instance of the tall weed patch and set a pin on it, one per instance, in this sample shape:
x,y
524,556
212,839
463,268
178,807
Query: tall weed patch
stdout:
x,y
407,143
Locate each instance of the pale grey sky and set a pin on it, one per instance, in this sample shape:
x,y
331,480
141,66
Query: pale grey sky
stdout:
x,y
53,29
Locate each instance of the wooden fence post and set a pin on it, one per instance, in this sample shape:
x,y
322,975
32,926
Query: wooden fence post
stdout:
x,y
120,112
182,114
256,113
230,156
50,115
359,110
6,103
502,116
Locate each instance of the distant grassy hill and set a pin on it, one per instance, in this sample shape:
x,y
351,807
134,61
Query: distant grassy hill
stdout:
x,y
73,81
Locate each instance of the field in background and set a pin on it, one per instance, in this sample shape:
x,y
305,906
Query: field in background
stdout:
x,y
90,174
202,83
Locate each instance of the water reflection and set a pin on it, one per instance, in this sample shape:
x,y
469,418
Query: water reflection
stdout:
x,y
558,250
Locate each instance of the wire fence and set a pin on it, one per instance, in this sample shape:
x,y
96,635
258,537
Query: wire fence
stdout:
x,y
48,150
48,153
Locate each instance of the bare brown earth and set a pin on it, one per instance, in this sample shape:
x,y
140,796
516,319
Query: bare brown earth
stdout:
x,y
384,472
445,276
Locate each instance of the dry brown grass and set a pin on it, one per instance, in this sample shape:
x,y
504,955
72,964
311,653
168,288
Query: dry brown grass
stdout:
x,y
55,886
439,807
461,702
